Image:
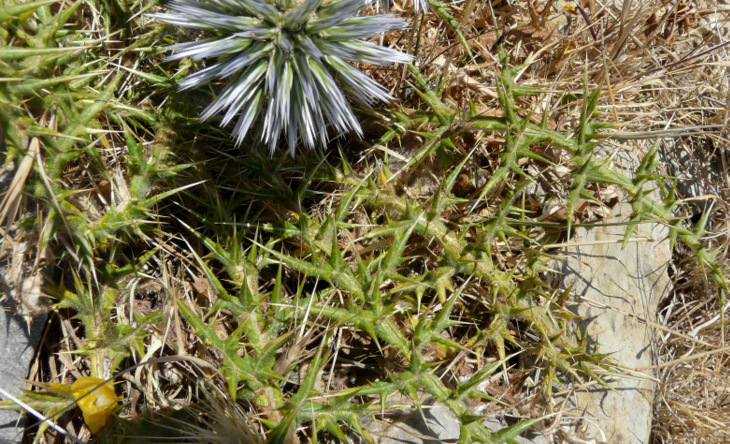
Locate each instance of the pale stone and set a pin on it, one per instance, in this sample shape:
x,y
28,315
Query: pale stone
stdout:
x,y
404,424
407,425
17,345
618,290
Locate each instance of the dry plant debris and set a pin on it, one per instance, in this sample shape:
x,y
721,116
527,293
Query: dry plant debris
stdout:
x,y
298,293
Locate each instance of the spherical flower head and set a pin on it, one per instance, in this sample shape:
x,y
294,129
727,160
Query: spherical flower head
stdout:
x,y
420,5
286,63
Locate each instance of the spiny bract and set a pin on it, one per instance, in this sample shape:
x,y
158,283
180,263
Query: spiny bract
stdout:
x,y
420,5
286,62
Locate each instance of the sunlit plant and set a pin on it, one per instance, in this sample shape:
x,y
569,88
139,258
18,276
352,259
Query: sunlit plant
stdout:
x,y
286,63
420,5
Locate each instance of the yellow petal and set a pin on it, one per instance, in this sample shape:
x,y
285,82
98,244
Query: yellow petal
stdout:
x,y
98,406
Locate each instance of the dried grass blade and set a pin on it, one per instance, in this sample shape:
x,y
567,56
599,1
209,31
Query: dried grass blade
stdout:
x,y
11,202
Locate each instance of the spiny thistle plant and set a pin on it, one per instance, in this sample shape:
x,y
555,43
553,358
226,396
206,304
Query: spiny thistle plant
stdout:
x,y
286,63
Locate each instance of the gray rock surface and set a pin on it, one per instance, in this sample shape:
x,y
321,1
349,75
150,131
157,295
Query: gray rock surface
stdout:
x,y
617,292
406,425
17,347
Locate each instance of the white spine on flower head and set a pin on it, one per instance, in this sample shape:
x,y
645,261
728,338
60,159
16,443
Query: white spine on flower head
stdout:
x,y
285,63
420,5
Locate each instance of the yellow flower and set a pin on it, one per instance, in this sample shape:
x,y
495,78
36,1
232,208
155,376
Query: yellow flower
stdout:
x,y
98,406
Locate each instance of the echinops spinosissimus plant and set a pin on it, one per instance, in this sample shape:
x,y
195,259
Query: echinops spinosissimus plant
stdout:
x,y
286,63
420,5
